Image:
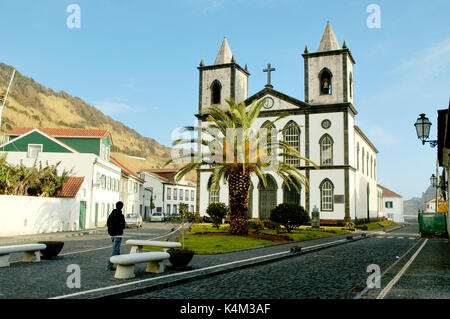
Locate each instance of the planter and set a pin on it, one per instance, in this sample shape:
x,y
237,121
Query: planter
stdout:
x,y
180,258
52,250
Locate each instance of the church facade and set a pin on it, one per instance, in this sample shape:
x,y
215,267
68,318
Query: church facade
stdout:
x,y
322,128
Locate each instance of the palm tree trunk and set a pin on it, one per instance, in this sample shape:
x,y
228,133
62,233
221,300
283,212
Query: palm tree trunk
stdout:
x,y
238,187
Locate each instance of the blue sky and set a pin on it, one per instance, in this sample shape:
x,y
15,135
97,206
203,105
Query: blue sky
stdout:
x,y
137,61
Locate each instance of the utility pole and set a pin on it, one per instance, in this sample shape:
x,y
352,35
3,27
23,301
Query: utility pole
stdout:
x,y
6,96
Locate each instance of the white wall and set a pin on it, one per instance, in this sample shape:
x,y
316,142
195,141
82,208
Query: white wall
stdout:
x,y
26,215
396,212
90,166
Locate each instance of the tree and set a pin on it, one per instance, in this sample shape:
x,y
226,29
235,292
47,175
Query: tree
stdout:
x,y
217,211
229,144
290,215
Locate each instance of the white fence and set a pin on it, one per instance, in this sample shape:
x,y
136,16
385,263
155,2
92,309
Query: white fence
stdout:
x,y
27,215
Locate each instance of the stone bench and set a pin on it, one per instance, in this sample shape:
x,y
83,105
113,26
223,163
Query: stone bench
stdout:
x,y
125,263
138,245
31,253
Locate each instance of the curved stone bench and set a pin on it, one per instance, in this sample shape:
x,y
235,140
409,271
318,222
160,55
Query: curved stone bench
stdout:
x,y
31,253
125,263
138,245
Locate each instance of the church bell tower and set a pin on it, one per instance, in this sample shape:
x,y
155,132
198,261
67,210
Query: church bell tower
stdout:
x,y
222,80
329,72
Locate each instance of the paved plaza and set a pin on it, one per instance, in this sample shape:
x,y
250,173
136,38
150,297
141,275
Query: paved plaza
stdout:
x,y
333,267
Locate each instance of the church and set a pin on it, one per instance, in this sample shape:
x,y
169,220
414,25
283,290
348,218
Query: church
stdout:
x,y
322,128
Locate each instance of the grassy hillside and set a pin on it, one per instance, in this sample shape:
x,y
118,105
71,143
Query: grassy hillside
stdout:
x,y
30,104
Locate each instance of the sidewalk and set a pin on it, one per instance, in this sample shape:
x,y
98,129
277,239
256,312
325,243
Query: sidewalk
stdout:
x,y
48,278
24,239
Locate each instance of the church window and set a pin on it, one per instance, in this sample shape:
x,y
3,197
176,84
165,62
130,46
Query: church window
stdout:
x,y
216,89
213,194
371,167
362,162
269,137
351,84
326,195
325,77
291,134
357,156
326,150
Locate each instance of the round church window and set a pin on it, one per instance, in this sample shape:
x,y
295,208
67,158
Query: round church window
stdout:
x,y
326,124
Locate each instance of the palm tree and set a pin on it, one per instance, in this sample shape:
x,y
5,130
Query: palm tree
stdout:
x,y
235,151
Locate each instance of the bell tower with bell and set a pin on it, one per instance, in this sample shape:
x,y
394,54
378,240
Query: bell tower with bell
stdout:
x,y
329,72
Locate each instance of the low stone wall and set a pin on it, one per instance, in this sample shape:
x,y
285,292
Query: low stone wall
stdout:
x,y
27,215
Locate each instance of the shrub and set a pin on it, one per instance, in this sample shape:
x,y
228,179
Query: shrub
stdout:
x,y
217,212
289,215
255,224
270,224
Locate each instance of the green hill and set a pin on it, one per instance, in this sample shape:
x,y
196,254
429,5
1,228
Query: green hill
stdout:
x,y
30,104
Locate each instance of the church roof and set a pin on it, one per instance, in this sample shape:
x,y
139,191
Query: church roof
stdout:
x,y
328,42
225,55
275,93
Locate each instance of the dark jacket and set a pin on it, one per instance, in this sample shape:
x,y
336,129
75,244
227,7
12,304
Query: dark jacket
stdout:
x,y
116,223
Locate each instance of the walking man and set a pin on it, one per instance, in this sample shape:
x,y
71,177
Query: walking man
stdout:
x,y
116,224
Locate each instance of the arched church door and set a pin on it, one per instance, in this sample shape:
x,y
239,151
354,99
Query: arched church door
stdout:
x,y
267,197
291,195
250,202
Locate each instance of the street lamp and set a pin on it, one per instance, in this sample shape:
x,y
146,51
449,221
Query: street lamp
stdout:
x,y
433,180
423,125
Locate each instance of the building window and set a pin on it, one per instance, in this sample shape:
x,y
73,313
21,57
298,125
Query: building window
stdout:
x,y
389,204
175,194
357,156
192,208
326,150
186,195
351,84
213,194
168,209
371,167
192,195
34,150
169,193
103,179
269,131
175,208
362,162
291,134
325,77
181,194
216,89
326,195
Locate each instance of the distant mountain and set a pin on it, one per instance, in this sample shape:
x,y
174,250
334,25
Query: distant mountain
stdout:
x,y
414,204
31,104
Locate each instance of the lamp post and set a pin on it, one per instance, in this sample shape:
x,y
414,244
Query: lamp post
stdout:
x,y
423,125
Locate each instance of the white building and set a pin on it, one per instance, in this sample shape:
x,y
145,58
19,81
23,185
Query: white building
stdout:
x,y
392,205
322,128
430,206
131,190
167,195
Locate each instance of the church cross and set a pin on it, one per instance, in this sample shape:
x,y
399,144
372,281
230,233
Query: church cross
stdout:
x,y
268,70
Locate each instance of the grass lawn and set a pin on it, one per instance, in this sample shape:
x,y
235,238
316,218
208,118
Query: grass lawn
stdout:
x,y
377,225
307,233
209,244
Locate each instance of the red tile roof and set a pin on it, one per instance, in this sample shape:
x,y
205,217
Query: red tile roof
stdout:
x,y
164,173
63,132
71,187
389,193
122,167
